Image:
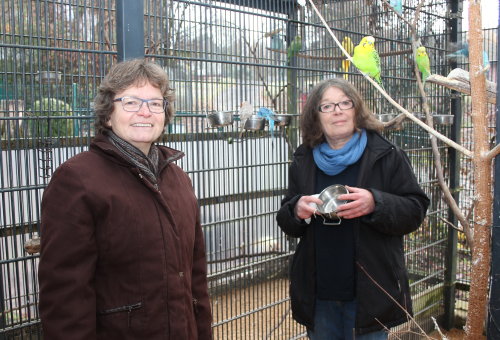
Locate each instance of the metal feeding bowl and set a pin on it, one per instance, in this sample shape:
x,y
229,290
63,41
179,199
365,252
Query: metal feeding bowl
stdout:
x,y
283,119
420,116
386,117
331,202
443,119
48,77
220,118
254,123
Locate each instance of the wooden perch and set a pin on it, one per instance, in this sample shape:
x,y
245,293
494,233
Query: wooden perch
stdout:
x,y
32,246
458,80
306,56
395,123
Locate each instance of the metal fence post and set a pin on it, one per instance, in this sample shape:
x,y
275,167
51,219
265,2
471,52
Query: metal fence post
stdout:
x,y
2,305
493,326
451,244
130,29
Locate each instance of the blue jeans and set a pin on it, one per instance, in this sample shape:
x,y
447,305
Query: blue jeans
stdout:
x,y
334,320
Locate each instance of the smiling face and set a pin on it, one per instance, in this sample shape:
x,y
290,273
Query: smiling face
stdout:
x,y
338,126
140,128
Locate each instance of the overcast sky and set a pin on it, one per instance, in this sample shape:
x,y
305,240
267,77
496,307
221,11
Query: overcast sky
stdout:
x,y
489,14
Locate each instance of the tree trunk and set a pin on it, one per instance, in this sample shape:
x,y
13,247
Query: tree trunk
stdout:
x,y
476,314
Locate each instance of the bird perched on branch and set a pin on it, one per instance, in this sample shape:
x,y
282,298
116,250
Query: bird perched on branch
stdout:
x,y
423,63
294,48
349,47
464,53
366,58
245,111
269,115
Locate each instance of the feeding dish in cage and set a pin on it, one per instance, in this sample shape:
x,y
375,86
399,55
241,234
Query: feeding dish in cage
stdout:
x,y
283,119
386,117
420,116
48,77
443,119
254,123
220,118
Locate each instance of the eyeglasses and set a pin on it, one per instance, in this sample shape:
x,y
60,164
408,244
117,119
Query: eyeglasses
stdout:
x,y
330,107
133,104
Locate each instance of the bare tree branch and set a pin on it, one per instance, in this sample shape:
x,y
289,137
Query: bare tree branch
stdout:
x,y
435,150
492,153
391,298
437,328
458,80
410,116
483,212
396,122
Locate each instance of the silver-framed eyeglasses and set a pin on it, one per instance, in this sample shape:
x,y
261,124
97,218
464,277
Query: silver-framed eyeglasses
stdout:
x,y
330,107
134,104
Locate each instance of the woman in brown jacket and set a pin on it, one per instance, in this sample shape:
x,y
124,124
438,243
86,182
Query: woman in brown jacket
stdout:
x,y
123,254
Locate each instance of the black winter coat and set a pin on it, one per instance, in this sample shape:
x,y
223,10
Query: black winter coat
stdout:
x,y
400,207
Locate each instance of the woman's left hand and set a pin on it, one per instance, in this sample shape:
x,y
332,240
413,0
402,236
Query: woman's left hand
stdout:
x,y
361,203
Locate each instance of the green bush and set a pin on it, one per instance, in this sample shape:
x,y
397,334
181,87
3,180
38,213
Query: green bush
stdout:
x,y
48,108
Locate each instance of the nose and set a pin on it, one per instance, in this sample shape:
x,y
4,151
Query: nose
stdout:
x,y
144,110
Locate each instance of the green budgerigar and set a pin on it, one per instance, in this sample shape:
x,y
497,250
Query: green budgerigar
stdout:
x,y
423,63
294,48
366,58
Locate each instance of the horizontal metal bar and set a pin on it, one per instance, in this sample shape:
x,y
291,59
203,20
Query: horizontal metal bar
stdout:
x,y
247,266
253,311
55,48
24,188
241,197
21,325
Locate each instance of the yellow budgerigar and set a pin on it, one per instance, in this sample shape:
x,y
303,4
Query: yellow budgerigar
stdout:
x,y
366,58
349,47
423,63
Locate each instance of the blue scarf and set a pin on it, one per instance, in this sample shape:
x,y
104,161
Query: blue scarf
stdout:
x,y
333,162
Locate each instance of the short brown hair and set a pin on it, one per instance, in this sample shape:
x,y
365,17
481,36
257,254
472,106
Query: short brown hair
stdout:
x,y
310,125
123,75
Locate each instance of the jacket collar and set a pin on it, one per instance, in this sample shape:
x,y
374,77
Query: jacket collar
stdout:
x,y
377,146
101,144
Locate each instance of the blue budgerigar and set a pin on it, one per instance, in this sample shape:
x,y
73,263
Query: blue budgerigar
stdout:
x,y
277,42
270,116
464,53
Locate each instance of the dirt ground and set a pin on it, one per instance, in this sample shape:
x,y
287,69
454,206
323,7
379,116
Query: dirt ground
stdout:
x,y
272,321
261,311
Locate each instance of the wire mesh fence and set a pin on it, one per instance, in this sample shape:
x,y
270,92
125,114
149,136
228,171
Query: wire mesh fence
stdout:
x,y
219,55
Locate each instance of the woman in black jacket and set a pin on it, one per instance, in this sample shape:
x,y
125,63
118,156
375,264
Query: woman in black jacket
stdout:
x,y
349,281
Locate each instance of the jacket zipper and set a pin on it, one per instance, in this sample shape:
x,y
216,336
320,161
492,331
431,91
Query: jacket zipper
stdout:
x,y
127,309
155,185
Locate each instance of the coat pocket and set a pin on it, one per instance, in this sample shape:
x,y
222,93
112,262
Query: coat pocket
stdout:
x,y
122,309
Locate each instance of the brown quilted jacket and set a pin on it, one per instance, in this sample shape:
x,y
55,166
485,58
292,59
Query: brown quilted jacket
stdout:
x,y
121,258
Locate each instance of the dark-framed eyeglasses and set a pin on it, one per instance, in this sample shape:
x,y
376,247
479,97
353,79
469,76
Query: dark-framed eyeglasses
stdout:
x,y
134,104
330,107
